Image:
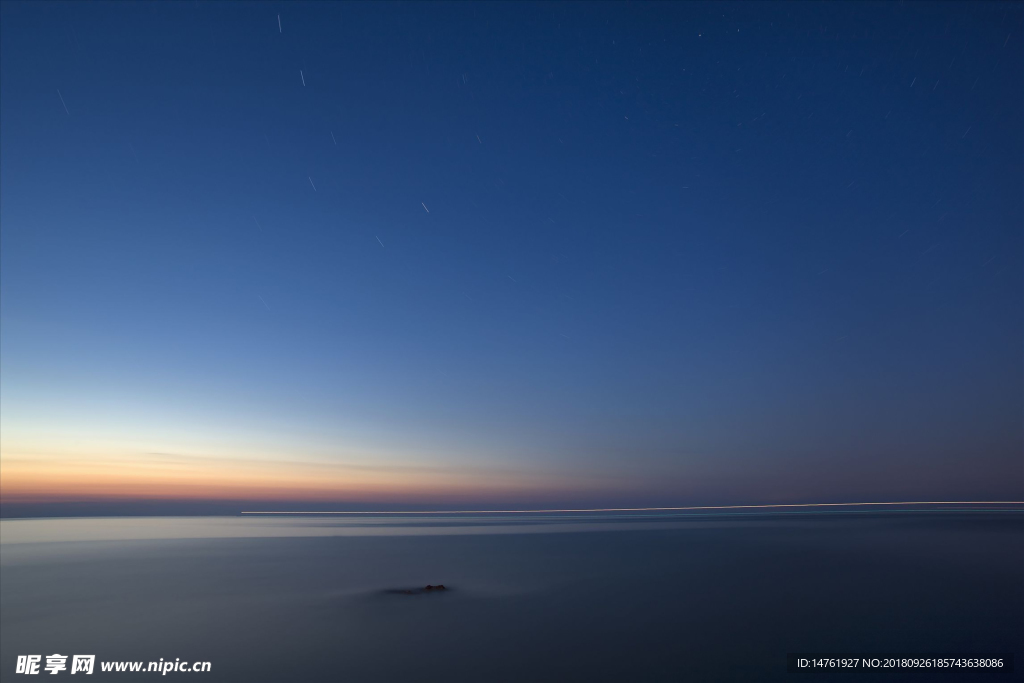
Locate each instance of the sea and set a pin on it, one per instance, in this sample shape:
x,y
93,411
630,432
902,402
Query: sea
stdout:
x,y
541,597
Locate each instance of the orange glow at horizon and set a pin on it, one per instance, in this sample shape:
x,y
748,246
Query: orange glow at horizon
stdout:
x,y
35,478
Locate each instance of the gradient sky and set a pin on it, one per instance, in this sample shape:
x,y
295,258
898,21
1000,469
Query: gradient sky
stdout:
x,y
493,254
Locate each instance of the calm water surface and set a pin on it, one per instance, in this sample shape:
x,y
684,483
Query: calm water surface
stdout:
x,y
543,598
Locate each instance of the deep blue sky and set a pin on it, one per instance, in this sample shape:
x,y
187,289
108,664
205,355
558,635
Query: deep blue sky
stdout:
x,y
601,253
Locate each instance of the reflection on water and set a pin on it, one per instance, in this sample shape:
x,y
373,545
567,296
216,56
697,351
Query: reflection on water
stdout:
x,y
142,528
637,597
400,524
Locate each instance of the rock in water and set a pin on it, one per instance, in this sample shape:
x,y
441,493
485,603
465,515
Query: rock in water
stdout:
x,y
417,591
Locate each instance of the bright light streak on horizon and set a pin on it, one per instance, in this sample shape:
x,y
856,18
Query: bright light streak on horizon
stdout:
x,y
647,509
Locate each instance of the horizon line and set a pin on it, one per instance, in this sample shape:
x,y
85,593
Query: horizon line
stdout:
x,y
639,509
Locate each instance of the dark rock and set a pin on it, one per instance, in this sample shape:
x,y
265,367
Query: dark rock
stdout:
x,y
417,591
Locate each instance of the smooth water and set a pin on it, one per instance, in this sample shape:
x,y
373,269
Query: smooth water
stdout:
x,y
541,598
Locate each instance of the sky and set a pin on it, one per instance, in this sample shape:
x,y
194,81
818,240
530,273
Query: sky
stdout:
x,y
459,255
